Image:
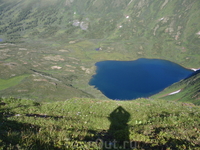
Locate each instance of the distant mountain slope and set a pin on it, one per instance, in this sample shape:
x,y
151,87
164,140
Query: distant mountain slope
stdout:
x,y
185,90
60,36
148,28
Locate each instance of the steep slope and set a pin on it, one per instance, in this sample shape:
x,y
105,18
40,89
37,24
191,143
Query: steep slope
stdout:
x,y
185,90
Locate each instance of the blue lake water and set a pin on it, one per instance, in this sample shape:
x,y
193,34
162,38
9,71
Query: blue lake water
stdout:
x,y
126,80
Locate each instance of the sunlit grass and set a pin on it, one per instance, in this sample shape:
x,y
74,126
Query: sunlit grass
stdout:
x,y
4,84
79,120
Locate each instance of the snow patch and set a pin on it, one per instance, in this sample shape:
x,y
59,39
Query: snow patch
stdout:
x,y
161,19
198,33
174,92
194,69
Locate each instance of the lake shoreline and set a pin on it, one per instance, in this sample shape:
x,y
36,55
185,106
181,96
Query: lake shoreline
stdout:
x,y
127,80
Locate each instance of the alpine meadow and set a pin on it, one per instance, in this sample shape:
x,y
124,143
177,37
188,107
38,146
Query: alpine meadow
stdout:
x,y
48,52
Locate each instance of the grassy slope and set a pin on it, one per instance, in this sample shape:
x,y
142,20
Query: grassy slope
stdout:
x,y
190,90
4,84
40,29
152,123
44,90
142,35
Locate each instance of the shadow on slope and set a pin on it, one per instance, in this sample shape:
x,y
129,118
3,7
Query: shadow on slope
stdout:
x,y
148,136
15,135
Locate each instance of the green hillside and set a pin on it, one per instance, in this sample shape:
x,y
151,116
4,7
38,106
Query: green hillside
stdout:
x,y
189,90
55,40
47,58
136,28
82,123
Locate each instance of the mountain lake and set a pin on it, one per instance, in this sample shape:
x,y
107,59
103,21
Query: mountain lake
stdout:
x,y
127,80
